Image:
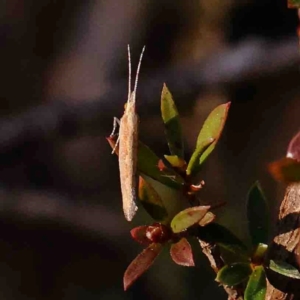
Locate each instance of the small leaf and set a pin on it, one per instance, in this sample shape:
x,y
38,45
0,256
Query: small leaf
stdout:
x,y
213,127
195,161
257,215
175,161
139,235
149,164
234,274
211,130
259,253
182,254
293,3
294,145
188,218
233,253
231,248
257,285
159,233
285,170
218,234
208,218
284,269
171,120
151,200
141,264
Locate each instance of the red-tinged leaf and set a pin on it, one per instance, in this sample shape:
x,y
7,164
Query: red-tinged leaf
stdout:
x,y
188,218
159,233
195,188
208,218
161,165
172,124
285,170
182,254
257,285
139,235
141,264
151,200
294,146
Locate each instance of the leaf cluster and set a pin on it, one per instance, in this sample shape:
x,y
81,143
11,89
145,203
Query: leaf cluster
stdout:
x,y
241,267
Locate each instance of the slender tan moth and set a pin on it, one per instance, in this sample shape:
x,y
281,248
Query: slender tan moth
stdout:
x,y
128,143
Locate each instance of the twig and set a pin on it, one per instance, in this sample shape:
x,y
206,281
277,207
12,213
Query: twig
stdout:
x,y
210,251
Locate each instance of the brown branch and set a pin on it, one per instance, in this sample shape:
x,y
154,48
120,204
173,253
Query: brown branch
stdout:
x,y
286,246
210,251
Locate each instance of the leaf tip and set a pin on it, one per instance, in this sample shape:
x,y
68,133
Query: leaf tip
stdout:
x,y
126,283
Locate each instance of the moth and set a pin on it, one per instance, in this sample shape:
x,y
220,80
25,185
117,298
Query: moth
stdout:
x,y
128,144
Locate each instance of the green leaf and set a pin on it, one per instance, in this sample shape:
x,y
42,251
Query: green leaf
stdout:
x,y
284,269
149,164
141,264
175,161
172,124
286,170
257,285
182,254
259,253
231,248
218,234
234,274
212,128
188,218
194,163
207,219
151,200
233,253
257,215
211,131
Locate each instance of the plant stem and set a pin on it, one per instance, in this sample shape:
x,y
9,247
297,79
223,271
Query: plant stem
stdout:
x,y
213,255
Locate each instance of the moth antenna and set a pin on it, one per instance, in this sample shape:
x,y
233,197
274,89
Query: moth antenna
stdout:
x,y
129,72
138,72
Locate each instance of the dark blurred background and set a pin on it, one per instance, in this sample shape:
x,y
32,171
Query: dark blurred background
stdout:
x,y
63,78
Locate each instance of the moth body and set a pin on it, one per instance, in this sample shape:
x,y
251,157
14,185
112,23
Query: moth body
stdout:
x,y
128,144
128,134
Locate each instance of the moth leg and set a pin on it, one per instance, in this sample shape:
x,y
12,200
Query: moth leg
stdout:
x,y
115,124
